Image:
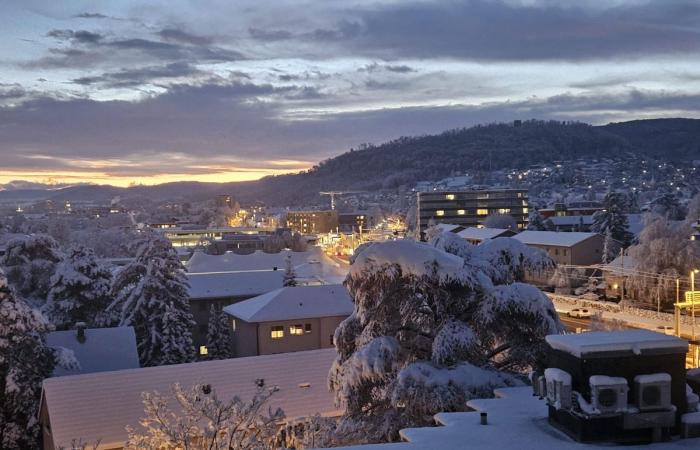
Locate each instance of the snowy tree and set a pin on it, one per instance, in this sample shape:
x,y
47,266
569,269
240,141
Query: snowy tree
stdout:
x,y
29,263
202,421
80,290
434,326
504,221
693,210
218,335
667,205
25,361
662,254
290,275
613,218
298,243
311,432
610,247
535,221
151,295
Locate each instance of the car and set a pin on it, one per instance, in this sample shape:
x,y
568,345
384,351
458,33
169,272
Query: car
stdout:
x,y
666,329
581,313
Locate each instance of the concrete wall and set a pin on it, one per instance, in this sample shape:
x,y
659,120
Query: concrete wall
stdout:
x,y
245,338
589,251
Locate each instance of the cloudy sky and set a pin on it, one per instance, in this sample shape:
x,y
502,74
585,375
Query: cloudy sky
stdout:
x,y
126,91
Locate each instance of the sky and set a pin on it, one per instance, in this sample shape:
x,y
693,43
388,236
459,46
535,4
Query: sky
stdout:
x,y
121,92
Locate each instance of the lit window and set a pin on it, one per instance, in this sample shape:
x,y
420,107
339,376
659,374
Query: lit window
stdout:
x,y
461,212
520,195
524,202
525,210
296,330
450,196
233,324
482,212
307,328
440,212
277,332
203,351
504,211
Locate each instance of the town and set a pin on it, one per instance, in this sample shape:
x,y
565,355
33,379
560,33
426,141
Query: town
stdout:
x,y
369,225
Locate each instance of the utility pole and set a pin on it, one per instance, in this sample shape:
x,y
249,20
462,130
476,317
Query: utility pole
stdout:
x,y
622,283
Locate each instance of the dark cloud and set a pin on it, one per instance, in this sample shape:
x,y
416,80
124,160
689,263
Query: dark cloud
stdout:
x,y
178,35
139,76
78,36
499,30
89,15
11,91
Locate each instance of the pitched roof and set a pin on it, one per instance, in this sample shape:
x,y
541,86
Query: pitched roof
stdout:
x,y
98,406
233,284
299,302
615,341
482,234
104,349
554,238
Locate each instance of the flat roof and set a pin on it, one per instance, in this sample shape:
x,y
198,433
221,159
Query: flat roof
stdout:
x,y
616,341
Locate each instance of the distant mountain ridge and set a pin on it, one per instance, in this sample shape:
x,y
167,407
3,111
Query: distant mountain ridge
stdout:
x,y
406,160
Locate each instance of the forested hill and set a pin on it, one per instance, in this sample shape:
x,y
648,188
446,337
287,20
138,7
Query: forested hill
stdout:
x,y
409,159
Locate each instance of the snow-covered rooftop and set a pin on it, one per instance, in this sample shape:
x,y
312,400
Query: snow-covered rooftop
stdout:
x,y
482,234
200,262
299,302
97,407
103,350
516,420
233,284
554,238
448,227
616,341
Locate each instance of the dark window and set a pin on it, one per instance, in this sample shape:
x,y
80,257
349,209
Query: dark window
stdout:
x,y
332,340
202,306
307,328
202,329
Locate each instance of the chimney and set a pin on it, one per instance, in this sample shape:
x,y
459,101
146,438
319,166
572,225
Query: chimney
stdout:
x,y
80,327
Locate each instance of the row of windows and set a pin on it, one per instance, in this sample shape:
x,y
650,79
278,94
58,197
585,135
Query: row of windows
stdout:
x,y
487,196
277,331
479,211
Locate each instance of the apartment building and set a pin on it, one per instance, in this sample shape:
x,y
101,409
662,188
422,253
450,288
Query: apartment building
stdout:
x,y
312,222
471,208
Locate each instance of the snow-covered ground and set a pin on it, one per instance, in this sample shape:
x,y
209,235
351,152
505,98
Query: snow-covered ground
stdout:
x,y
516,421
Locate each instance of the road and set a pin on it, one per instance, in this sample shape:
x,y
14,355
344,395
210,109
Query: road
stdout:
x,y
572,323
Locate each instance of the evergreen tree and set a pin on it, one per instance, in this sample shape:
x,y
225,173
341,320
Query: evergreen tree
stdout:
x,y
218,335
536,221
612,218
25,361
29,263
80,290
667,205
610,247
290,276
430,330
151,295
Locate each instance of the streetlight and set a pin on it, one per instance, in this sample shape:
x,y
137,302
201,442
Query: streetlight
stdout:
x,y
692,296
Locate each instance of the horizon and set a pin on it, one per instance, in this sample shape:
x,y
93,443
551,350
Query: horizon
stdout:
x,y
129,93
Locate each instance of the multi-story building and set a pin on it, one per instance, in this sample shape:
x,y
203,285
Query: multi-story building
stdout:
x,y
471,208
355,221
312,222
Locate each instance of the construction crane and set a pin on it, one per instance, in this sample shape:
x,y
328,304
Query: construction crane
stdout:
x,y
334,193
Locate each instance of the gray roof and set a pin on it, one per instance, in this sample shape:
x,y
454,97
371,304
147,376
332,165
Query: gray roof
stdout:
x,y
104,349
97,406
553,238
299,302
233,284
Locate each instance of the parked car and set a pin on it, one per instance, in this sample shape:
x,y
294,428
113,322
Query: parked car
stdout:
x,y
666,329
581,313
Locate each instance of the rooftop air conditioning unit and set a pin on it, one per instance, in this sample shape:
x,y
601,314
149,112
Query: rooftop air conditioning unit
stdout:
x,y
653,392
608,394
558,388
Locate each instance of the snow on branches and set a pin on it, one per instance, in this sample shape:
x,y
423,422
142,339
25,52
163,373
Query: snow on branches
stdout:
x,y
202,421
435,325
80,290
25,361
